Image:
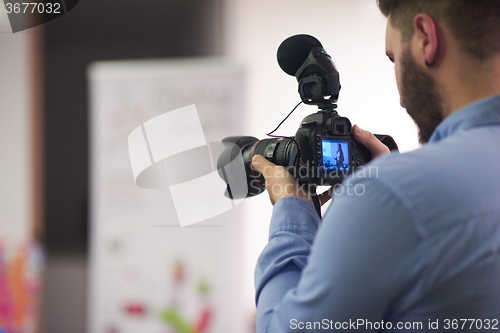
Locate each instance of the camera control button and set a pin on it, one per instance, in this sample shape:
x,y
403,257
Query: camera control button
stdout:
x,y
357,161
318,147
318,138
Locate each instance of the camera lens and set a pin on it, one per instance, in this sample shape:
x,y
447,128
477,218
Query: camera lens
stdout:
x,y
280,151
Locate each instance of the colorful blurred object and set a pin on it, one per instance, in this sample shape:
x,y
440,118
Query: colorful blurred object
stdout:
x,y
175,320
203,320
179,272
135,309
173,316
20,286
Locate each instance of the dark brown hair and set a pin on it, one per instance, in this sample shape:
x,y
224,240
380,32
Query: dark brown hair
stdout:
x,y
474,23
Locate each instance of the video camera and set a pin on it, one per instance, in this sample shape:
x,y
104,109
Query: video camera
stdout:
x,y
323,151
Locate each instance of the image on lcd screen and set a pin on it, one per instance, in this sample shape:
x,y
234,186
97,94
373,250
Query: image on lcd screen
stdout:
x,y
336,155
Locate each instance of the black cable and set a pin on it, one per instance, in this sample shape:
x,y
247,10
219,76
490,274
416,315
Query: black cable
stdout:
x,y
312,189
269,134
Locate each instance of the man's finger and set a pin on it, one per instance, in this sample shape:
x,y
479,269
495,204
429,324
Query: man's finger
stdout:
x,y
369,140
260,163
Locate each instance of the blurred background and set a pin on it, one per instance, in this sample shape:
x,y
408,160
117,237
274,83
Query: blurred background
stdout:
x,y
46,95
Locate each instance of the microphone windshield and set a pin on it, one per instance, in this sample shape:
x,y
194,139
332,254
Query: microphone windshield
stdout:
x,y
294,51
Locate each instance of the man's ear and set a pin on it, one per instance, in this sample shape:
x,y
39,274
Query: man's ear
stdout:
x,y
426,39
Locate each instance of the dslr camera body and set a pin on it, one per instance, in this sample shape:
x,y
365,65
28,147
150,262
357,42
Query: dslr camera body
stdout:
x,y
323,150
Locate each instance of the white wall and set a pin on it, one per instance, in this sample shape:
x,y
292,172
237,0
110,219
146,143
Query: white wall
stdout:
x,y
15,136
353,32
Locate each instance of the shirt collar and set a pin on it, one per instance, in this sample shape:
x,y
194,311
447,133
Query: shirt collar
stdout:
x,y
480,113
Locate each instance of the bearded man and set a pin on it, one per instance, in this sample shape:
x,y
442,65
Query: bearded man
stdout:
x,y
419,249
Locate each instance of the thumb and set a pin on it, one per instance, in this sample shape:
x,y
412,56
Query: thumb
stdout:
x,y
369,140
260,163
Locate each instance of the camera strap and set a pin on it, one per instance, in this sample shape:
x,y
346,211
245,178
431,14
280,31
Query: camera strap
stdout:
x,y
315,199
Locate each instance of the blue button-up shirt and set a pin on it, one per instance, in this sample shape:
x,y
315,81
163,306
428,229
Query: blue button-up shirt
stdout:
x,y
411,241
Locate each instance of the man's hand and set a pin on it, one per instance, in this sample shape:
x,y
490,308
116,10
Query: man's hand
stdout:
x,y
280,183
369,140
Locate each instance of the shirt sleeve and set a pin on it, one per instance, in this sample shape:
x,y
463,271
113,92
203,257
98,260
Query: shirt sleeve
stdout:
x,y
351,268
